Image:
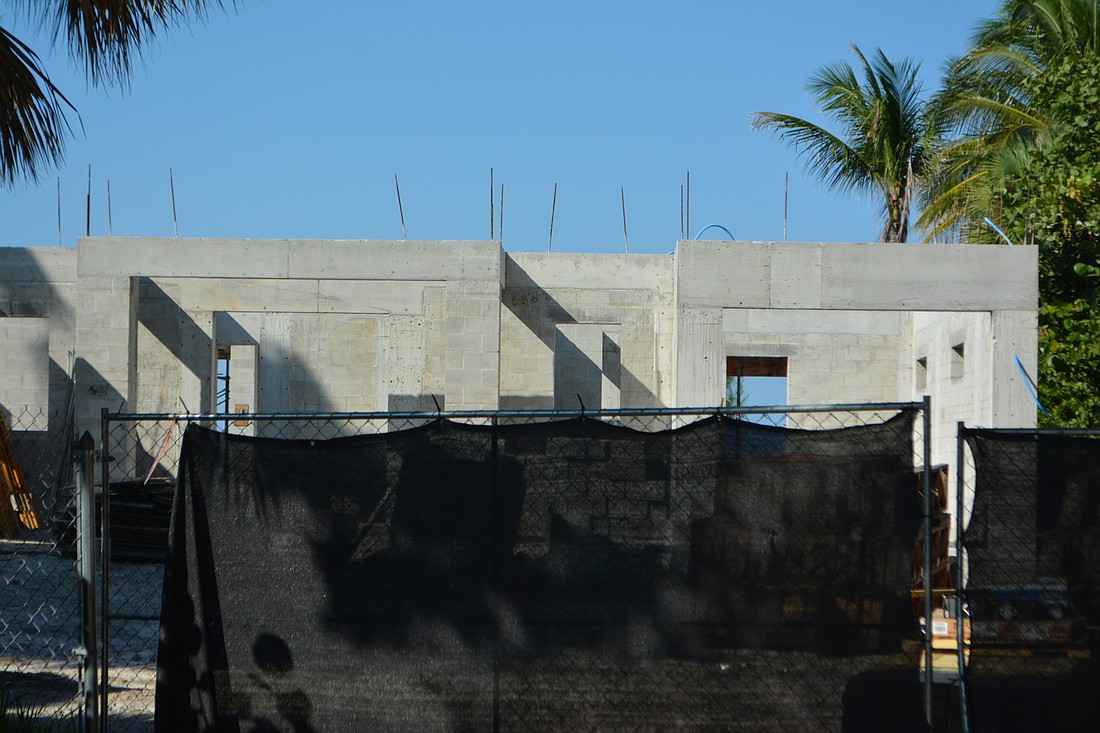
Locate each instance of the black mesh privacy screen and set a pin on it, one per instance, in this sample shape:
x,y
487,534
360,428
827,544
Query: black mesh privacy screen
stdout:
x,y
548,577
1033,587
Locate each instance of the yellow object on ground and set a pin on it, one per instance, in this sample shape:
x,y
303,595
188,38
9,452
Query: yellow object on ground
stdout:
x,y
16,502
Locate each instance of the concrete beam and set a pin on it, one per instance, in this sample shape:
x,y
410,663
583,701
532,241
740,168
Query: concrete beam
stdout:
x,y
395,260
296,259
168,257
930,277
832,276
597,271
37,265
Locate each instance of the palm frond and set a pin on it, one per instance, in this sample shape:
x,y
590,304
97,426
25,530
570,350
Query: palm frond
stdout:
x,y
986,102
828,157
991,116
108,36
33,125
885,139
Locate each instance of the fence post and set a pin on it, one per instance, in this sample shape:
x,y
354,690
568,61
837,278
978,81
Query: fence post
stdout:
x,y
495,569
84,456
927,489
960,619
105,421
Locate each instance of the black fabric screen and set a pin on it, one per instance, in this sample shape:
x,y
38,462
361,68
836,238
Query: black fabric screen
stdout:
x,y
545,577
1033,545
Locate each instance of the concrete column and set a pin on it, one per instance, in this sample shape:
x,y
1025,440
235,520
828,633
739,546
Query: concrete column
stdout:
x,y
472,345
1014,335
700,361
104,349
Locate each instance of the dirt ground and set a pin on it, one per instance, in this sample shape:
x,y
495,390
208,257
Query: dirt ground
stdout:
x,y
40,661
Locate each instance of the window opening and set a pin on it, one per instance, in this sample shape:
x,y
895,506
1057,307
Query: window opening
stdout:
x,y
221,403
757,381
957,361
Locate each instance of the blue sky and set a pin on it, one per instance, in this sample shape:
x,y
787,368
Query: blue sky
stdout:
x,y
289,120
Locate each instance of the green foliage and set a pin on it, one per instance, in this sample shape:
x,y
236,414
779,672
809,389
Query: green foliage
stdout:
x,y
1069,354
1053,199
1023,107
989,104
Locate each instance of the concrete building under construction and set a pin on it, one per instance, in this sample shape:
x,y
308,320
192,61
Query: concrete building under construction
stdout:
x,y
147,325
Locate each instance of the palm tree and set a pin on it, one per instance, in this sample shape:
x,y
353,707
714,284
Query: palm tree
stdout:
x,y
107,36
886,139
986,101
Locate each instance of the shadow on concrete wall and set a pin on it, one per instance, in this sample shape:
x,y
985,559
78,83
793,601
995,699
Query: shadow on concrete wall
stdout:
x,y
39,432
578,380
177,331
575,373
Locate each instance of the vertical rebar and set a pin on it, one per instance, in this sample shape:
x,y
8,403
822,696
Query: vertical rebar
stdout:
x,y
687,210
960,619
786,194
172,186
492,201
84,456
626,241
553,208
400,208
927,475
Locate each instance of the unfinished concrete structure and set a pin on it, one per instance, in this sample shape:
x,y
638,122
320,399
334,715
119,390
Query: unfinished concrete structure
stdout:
x,y
141,325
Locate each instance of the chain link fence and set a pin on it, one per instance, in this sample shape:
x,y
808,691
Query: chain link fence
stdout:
x,y
611,607
40,658
1031,541
612,635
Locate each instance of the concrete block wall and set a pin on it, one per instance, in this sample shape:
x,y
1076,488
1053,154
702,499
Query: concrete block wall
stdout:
x,y
472,344
982,386
842,314
960,382
1013,334
37,291
384,325
345,326
832,356
612,313
104,328
244,389
25,389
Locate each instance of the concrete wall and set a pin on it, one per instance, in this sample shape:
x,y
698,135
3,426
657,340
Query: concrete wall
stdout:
x,y
843,315
338,326
396,325
24,343
37,341
832,356
594,325
832,276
